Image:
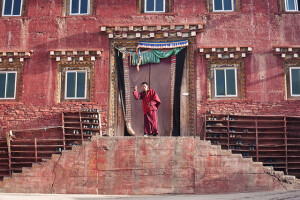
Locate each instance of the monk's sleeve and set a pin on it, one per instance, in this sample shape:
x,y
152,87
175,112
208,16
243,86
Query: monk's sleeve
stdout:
x,y
136,95
155,100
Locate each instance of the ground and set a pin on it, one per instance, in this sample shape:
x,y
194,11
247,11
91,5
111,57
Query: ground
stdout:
x,y
288,195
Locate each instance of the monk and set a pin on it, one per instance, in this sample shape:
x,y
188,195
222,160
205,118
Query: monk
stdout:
x,y
151,103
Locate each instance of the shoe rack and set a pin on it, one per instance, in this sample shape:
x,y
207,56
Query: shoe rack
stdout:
x,y
79,126
273,140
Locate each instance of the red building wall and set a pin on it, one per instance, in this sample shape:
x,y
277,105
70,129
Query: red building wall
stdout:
x,y
259,25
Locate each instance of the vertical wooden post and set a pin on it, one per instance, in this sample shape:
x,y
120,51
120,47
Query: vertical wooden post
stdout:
x,y
9,150
81,131
35,149
99,123
204,137
256,136
228,138
63,127
286,149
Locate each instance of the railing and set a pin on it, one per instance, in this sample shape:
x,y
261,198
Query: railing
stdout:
x,y
18,153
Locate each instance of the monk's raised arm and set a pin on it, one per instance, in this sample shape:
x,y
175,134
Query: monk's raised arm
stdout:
x,y
136,95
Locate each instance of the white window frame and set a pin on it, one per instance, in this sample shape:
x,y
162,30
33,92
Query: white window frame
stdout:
x,y
66,80
12,8
164,7
5,87
232,3
291,82
296,6
215,77
88,9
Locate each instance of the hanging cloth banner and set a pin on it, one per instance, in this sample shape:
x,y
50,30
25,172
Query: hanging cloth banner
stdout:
x,y
144,59
153,56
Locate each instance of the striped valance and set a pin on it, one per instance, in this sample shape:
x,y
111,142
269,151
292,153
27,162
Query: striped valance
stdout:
x,y
163,45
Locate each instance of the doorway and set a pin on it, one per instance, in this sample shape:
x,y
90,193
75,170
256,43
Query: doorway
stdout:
x,y
158,76
175,110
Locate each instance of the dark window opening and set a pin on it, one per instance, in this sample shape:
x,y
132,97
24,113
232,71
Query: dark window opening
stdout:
x,y
7,85
12,7
79,7
75,85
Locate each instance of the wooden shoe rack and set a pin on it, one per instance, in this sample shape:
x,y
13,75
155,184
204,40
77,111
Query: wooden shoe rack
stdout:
x,y
273,140
17,152
80,126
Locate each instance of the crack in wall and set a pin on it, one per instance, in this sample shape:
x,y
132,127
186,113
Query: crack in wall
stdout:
x,y
54,173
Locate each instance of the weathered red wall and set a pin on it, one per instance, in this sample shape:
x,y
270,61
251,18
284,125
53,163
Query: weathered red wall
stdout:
x,y
259,24
165,165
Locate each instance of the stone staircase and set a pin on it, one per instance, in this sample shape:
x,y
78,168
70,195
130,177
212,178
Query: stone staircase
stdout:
x,y
154,165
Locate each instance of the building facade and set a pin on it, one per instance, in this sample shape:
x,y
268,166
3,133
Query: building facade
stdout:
x,y
242,57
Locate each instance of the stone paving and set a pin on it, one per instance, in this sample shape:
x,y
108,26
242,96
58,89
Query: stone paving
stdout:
x,y
288,195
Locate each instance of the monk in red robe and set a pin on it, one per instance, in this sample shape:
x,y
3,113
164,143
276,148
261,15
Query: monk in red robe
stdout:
x,y
151,103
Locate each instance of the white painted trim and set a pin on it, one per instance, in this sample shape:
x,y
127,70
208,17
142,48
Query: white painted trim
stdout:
x,y
232,3
296,6
164,7
79,6
66,78
225,68
5,87
12,9
291,85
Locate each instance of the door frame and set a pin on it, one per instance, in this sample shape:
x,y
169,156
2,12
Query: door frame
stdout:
x,y
114,112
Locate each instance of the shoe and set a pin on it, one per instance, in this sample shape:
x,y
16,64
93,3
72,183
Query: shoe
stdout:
x,y
155,134
145,135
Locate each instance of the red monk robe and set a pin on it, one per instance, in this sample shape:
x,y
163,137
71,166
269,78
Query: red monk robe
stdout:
x,y
151,103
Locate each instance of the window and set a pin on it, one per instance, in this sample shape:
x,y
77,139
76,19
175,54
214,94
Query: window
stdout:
x,y
291,68
79,7
223,5
295,81
75,78
225,82
154,6
292,5
75,85
75,81
8,84
12,7
11,79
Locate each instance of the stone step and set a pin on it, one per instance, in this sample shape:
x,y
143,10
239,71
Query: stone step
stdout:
x,y
167,160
